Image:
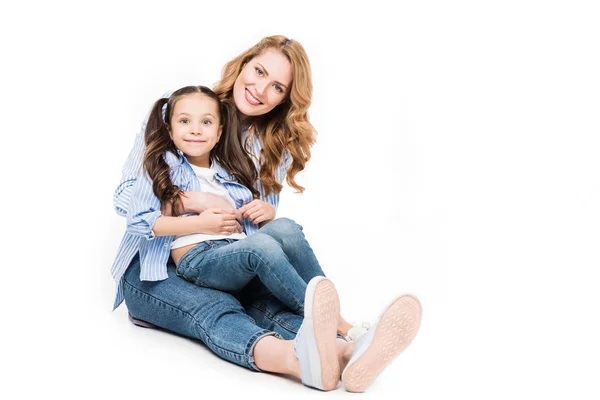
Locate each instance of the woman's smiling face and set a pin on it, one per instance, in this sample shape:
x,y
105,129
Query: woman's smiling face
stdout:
x,y
263,83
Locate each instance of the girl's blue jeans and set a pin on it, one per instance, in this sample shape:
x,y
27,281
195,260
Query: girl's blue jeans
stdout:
x,y
230,324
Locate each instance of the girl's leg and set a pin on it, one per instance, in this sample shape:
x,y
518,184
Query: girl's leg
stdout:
x,y
230,265
214,317
295,246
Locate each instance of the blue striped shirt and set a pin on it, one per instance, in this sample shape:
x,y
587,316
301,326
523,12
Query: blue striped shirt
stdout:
x,y
135,199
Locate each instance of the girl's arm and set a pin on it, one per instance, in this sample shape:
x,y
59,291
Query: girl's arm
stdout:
x,y
146,219
212,221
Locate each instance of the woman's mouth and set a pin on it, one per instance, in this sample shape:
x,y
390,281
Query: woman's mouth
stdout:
x,y
251,99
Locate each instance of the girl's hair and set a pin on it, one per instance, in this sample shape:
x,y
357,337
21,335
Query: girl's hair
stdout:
x,y
286,127
228,151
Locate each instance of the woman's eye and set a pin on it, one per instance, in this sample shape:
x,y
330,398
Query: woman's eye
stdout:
x,y
259,71
278,88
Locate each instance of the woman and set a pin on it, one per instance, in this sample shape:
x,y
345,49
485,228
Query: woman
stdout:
x,y
271,87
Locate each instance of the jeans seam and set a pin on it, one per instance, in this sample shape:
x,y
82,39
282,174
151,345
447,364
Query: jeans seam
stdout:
x,y
274,318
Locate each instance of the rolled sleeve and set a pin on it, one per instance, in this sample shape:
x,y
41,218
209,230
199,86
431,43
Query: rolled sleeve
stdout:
x,y
144,209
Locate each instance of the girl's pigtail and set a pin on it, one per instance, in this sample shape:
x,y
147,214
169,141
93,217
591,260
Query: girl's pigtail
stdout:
x,y
158,141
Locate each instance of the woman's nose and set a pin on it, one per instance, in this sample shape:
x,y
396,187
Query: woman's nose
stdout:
x,y
260,87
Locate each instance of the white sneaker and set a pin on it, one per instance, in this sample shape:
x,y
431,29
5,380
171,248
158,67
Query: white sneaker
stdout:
x,y
390,335
357,331
315,343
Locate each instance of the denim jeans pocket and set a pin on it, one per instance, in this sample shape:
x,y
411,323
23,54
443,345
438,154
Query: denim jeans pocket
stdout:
x,y
191,263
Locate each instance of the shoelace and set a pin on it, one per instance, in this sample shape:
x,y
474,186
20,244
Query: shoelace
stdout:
x,y
357,331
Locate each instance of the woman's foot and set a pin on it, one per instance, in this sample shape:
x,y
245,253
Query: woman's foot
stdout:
x,y
315,343
389,336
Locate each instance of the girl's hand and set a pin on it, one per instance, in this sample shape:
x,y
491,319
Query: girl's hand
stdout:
x,y
218,222
258,211
197,202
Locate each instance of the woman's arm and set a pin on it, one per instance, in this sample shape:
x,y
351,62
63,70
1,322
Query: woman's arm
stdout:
x,y
197,202
146,219
129,175
264,210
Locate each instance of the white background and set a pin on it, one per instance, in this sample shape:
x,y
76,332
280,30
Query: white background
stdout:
x,y
457,159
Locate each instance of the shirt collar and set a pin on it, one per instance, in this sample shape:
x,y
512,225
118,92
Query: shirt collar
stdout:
x,y
222,173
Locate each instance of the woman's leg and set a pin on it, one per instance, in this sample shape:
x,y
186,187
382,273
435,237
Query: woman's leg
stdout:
x,y
268,311
315,356
275,355
214,317
229,266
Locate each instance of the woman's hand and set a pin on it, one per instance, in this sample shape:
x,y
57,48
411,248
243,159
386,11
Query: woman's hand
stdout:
x,y
217,221
258,211
197,202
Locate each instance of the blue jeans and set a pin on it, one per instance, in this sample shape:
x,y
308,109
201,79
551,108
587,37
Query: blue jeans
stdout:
x,y
229,265
229,324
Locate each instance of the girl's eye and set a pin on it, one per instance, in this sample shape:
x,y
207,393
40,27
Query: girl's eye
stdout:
x,y
207,122
259,71
185,121
278,88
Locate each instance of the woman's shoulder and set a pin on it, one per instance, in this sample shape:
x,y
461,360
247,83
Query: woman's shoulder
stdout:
x,y
174,160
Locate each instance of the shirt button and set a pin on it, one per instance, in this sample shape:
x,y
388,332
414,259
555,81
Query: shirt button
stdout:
x,y
166,244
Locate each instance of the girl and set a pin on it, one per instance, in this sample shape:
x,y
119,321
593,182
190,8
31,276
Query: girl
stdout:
x,y
270,86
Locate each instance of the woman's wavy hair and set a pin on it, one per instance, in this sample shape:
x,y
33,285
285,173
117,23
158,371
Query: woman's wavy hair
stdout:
x,y
228,151
287,126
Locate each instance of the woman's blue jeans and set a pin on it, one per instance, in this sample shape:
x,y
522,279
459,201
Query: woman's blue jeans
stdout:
x,y
229,324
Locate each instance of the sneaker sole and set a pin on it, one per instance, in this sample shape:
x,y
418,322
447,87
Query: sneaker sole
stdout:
x,y
325,314
395,331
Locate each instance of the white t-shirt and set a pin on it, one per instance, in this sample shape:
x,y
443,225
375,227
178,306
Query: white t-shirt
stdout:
x,y
208,184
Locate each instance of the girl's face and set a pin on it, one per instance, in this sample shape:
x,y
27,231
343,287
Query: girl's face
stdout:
x,y
195,127
263,83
